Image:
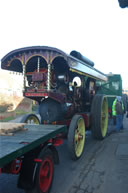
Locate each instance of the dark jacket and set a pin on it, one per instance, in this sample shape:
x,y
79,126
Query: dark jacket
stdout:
x,y
118,108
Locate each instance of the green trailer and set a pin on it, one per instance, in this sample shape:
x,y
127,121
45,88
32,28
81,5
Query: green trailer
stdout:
x,y
29,150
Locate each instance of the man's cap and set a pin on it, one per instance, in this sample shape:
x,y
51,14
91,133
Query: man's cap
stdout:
x,y
118,98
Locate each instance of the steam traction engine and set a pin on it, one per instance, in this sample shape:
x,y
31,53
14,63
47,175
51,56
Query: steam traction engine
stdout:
x,y
65,88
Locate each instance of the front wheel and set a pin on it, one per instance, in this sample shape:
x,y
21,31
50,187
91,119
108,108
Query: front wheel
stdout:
x,y
76,137
44,173
30,119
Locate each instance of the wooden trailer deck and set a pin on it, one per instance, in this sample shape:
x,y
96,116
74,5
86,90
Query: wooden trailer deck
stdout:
x,y
22,140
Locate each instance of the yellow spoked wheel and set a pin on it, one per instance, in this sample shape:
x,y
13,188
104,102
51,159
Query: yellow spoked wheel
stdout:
x,y
30,119
76,137
99,116
104,117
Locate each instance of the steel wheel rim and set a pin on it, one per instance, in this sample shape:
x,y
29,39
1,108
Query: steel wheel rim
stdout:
x,y
79,137
46,173
32,120
104,117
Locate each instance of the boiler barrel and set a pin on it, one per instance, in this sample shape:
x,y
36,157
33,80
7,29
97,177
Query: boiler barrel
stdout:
x,y
79,56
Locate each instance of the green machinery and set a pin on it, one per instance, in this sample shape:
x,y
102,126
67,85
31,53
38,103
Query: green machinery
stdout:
x,y
111,88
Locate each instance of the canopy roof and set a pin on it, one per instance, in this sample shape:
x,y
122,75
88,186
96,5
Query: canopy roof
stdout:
x,y
15,60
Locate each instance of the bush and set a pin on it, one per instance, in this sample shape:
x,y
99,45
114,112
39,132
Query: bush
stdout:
x,y
3,108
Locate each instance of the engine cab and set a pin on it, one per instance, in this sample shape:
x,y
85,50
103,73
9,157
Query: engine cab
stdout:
x,y
62,84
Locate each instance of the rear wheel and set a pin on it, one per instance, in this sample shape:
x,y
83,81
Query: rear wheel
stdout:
x,y
99,116
30,119
76,137
44,173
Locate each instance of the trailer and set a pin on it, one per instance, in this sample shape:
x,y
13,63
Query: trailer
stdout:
x,y
29,150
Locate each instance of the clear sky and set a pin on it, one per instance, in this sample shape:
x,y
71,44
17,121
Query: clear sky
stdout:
x,y
96,28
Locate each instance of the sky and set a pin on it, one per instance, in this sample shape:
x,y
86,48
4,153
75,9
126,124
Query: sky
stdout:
x,y
96,28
